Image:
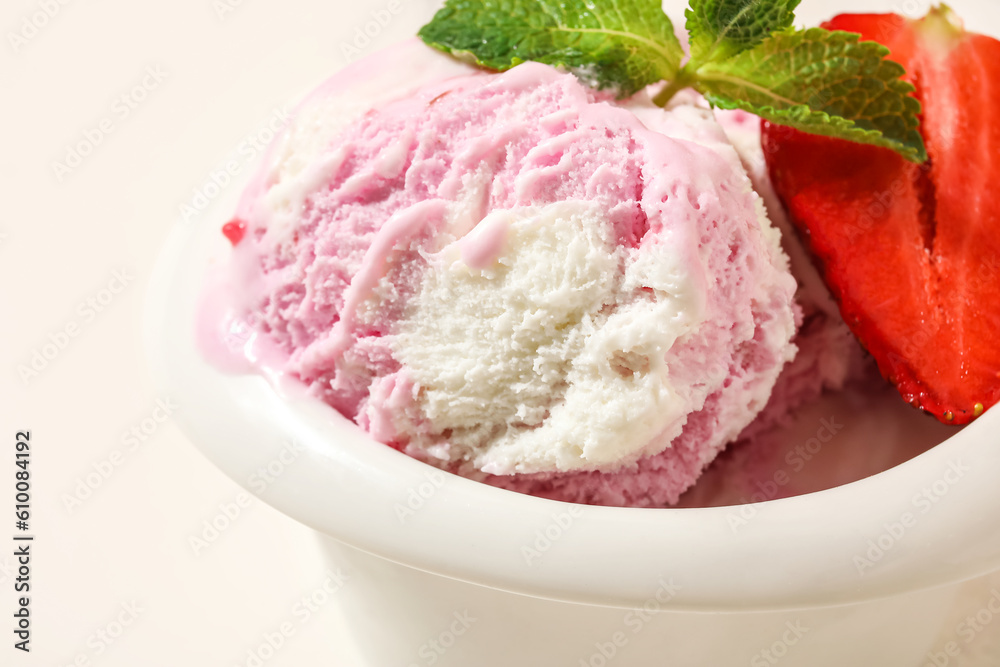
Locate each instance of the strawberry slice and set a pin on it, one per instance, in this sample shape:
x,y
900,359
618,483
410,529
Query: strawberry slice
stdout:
x,y
912,252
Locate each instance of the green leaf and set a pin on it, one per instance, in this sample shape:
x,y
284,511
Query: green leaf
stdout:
x,y
821,82
719,29
622,45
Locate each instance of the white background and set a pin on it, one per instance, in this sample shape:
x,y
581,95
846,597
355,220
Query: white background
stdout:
x,y
63,237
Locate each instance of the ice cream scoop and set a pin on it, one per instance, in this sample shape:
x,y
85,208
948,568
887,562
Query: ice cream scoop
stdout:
x,y
516,278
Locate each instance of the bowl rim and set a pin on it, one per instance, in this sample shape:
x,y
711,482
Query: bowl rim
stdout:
x,y
795,552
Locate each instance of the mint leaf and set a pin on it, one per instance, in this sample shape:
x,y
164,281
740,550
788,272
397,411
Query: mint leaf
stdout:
x,y
820,82
719,29
744,55
622,45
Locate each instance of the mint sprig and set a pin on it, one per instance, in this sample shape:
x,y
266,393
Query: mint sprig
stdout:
x,y
744,55
719,29
821,82
623,45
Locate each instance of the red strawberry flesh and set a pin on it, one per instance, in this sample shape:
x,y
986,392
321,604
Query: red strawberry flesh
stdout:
x,y
912,252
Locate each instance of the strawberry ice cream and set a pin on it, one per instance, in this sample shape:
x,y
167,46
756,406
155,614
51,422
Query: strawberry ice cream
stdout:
x,y
515,278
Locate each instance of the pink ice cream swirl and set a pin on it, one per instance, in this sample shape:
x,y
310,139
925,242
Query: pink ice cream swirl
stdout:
x,y
517,279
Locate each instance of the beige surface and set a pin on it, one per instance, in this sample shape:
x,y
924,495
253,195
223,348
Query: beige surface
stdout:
x,y
221,72
62,242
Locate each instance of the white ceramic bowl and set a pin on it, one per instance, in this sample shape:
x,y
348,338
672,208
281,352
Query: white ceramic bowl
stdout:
x,y
932,521
447,571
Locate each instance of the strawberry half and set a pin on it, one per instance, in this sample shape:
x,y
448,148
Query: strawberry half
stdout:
x,y
912,252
